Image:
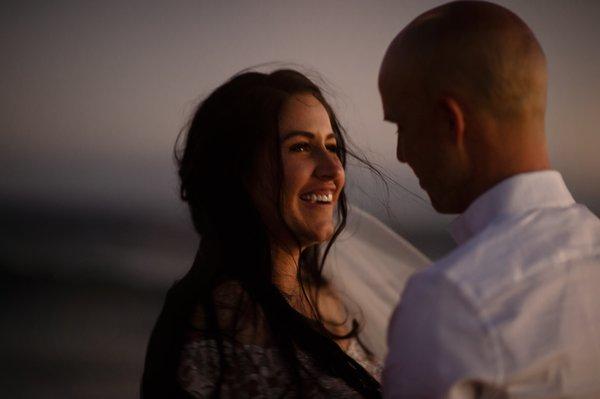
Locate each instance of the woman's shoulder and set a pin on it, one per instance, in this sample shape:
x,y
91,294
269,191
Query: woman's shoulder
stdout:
x,y
230,312
230,292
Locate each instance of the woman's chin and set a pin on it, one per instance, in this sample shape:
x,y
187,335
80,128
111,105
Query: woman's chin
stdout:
x,y
318,236
311,232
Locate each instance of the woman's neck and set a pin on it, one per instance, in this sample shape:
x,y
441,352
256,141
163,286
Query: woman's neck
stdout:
x,y
285,277
285,269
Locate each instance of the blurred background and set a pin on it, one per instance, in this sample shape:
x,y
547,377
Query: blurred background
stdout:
x,y
93,97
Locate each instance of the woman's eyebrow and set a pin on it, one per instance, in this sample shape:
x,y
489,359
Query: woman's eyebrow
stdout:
x,y
295,133
303,133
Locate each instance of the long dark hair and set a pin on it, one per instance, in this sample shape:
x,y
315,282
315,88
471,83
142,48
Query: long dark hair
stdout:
x,y
223,140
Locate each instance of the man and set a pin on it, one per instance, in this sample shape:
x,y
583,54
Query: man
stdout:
x,y
514,311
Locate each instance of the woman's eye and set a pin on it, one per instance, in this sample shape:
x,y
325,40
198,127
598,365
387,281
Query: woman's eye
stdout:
x,y
333,148
300,147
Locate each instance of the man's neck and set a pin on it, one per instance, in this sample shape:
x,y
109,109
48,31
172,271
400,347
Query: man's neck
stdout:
x,y
483,183
505,150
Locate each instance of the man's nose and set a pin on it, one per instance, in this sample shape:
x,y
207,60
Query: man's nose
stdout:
x,y
329,166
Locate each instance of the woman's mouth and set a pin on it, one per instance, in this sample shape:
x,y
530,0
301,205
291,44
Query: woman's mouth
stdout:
x,y
317,197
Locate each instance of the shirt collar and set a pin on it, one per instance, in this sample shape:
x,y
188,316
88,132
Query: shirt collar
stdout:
x,y
515,195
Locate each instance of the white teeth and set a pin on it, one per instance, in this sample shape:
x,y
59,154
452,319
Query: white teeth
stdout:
x,y
312,197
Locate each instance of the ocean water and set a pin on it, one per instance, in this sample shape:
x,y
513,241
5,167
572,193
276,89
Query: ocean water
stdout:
x,y
80,290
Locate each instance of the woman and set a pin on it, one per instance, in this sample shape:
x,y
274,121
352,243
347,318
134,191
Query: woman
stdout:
x,y
263,174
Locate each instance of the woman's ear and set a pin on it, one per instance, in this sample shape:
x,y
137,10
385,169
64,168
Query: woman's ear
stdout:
x,y
455,115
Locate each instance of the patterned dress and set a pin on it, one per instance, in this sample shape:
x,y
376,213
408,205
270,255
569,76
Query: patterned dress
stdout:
x,y
255,367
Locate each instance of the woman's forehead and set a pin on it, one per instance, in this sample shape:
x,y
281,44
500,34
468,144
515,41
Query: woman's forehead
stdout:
x,y
304,112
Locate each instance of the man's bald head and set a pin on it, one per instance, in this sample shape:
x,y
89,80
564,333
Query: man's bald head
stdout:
x,y
487,69
476,49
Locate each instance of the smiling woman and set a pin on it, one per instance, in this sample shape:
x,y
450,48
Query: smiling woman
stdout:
x,y
313,179
254,316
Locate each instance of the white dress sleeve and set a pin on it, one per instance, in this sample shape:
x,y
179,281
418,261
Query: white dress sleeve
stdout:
x,y
369,265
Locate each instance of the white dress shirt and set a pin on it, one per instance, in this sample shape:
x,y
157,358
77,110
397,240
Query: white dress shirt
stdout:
x,y
514,311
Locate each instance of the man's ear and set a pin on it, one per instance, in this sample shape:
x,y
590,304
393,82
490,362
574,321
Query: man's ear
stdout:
x,y
455,115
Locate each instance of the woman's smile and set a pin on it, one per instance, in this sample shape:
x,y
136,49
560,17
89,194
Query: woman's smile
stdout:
x,y
324,197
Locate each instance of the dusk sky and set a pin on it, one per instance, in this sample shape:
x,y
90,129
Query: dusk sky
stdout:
x,y
95,93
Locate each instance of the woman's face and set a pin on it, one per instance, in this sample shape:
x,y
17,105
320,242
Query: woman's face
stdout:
x,y
313,176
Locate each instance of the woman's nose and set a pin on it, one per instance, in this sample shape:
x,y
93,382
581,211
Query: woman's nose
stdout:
x,y
329,166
